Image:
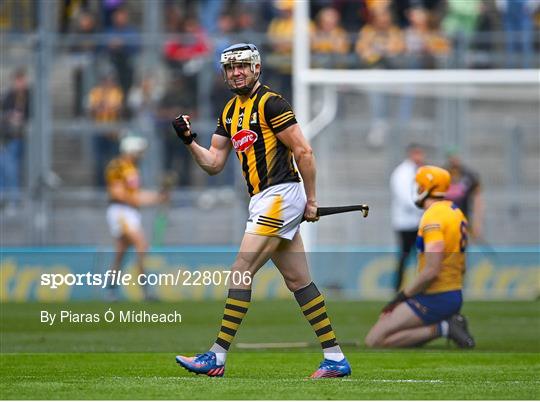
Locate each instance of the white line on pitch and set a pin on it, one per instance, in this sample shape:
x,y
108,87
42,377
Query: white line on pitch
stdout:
x,y
398,380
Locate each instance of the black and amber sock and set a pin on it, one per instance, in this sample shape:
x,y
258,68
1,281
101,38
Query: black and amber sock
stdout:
x,y
236,307
311,302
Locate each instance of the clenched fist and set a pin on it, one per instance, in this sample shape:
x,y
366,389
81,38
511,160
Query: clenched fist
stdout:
x,y
183,129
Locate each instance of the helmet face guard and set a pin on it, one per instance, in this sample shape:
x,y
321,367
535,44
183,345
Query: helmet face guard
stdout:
x,y
241,53
421,195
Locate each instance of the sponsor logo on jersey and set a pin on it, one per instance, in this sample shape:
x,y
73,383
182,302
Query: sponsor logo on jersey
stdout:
x,y
243,140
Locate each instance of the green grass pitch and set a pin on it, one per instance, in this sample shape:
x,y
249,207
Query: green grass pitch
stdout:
x,y
136,361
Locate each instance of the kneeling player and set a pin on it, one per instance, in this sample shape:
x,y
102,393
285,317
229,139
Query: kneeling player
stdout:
x,y
429,307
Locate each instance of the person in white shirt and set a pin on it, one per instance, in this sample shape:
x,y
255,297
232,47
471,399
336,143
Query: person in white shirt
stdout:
x,y
405,215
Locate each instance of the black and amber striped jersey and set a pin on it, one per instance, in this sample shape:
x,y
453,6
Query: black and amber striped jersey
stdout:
x,y
252,127
122,171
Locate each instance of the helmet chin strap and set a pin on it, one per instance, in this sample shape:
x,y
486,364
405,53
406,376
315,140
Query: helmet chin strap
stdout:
x,y
245,90
421,198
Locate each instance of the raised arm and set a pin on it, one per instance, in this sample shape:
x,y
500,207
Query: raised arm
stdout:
x,y
211,160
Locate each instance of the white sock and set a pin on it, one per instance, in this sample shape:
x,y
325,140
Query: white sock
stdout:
x,y
221,353
444,329
220,358
334,353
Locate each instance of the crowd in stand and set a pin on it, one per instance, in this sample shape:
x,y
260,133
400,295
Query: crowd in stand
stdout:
x,y
343,34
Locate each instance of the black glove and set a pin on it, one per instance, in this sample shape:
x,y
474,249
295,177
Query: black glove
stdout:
x,y
181,126
400,297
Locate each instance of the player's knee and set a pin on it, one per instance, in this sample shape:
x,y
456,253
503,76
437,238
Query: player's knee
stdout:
x,y
374,339
370,341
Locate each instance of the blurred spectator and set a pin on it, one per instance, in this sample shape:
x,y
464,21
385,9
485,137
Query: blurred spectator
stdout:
x,y
225,29
380,41
536,18
423,43
484,42
176,157
186,53
351,13
267,11
174,17
220,93
105,106
122,47
402,8
424,47
518,23
461,17
379,44
460,23
466,193
69,10
108,9
328,39
143,97
13,120
18,16
280,36
209,11
142,102
245,24
192,44
405,215
373,5
85,54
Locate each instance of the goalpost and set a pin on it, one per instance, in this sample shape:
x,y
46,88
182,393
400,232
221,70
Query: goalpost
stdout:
x,y
462,82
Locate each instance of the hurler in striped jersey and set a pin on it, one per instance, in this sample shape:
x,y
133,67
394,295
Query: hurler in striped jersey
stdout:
x,y
261,128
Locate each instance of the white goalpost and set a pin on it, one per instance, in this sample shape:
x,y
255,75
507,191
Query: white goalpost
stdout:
x,y
329,80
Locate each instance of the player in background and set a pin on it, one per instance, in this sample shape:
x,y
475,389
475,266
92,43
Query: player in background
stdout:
x,y
429,308
125,199
465,191
405,215
261,127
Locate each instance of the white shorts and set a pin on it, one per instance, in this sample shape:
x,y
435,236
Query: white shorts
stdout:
x,y
123,219
277,211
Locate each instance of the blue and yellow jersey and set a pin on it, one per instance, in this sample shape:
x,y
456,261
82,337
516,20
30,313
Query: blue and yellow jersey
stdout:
x,y
444,221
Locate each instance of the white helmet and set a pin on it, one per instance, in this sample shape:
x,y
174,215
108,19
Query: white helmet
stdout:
x,y
240,53
133,145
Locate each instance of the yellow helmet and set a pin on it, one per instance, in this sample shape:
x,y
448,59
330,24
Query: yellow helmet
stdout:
x,y
432,181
